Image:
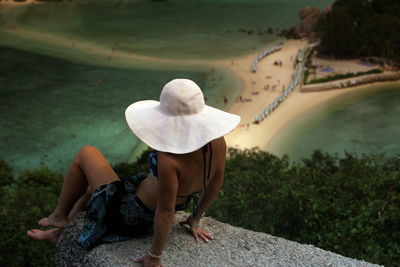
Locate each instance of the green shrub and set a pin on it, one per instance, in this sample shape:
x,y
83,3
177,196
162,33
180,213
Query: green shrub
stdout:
x,y
306,75
343,76
30,197
308,63
350,206
6,176
27,198
354,29
141,165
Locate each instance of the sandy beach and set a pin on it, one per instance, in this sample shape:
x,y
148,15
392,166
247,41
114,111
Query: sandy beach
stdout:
x,y
249,135
259,89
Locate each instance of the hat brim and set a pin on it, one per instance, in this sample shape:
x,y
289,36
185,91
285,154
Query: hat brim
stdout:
x,y
177,134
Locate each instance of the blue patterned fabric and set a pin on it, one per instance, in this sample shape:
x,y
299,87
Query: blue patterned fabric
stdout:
x,y
115,213
153,163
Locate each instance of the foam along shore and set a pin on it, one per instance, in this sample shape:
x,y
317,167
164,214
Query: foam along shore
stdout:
x,y
263,87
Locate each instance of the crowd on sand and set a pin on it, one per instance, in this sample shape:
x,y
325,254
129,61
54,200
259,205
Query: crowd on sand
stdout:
x,y
297,77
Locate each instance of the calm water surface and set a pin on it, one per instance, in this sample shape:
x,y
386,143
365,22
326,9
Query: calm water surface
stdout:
x,y
362,122
54,99
173,28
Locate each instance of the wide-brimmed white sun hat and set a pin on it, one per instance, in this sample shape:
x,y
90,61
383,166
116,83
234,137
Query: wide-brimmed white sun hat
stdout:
x,y
181,122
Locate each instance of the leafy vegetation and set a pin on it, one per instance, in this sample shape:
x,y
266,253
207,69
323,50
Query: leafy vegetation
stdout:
x,y
308,65
340,76
348,205
361,28
23,200
306,75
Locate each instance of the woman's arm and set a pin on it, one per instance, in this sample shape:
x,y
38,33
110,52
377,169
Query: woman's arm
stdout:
x,y
167,189
210,193
214,186
193,221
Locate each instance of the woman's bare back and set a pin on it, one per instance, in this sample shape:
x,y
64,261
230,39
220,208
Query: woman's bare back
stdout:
x,y
190,172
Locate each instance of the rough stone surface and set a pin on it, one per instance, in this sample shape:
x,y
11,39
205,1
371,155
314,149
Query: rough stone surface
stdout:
x,y
233,246
344,83
309,17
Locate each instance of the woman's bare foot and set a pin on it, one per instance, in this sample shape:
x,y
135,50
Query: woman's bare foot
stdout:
x,y
50,236
53,221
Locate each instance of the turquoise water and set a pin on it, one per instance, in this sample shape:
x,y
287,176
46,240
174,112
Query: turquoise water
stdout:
x,y
174,28
362,122
51,107
57,95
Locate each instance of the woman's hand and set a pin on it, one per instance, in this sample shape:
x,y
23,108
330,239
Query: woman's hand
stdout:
x,y
149,261
195,230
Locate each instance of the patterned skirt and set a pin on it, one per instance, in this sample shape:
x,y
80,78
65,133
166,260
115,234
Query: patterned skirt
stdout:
x,y
115,213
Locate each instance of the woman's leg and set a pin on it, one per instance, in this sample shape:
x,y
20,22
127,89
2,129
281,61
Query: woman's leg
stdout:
x,y
89,169
51,236
81,204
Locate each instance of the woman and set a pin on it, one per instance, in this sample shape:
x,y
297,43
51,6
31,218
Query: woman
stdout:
x,y
189,157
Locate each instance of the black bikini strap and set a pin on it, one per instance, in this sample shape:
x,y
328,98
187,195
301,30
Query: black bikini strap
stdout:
x,y
204,166
206,178
209,164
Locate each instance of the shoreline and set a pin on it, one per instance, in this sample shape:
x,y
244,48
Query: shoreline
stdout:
x,y
323,98
249,135
258,89
287,136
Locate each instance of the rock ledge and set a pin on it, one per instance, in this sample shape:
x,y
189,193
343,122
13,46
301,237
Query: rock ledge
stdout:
x,y
233,246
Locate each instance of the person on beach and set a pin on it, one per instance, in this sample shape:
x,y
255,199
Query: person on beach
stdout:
x,y
189,157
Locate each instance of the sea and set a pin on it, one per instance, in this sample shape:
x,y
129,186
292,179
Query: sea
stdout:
x,y
358,123
63,85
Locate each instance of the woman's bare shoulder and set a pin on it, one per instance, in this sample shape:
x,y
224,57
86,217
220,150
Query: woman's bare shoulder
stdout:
x,y
219,142
219,146
166,159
